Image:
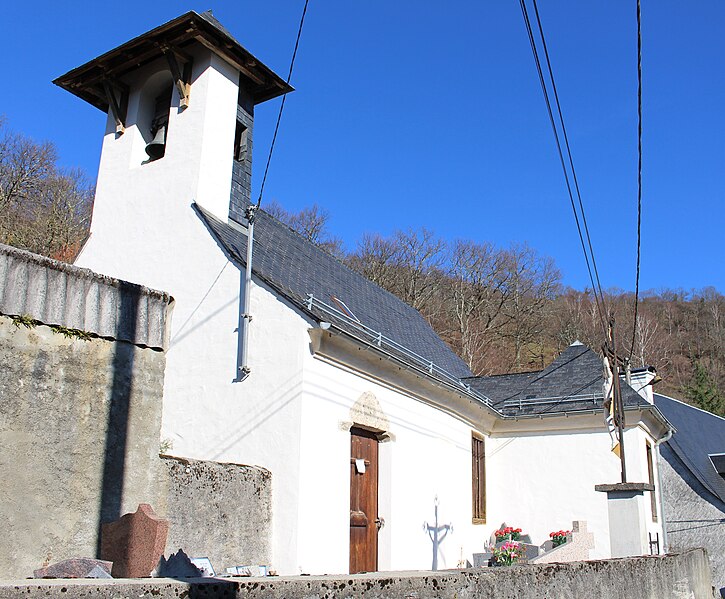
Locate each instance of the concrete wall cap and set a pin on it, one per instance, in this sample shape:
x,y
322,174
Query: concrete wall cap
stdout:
x,y
56,293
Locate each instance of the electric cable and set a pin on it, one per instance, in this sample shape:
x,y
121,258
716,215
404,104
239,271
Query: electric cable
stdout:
x,y
639,173
281,106
596,290
568,151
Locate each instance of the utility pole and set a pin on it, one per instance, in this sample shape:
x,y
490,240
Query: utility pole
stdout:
x,y
618,402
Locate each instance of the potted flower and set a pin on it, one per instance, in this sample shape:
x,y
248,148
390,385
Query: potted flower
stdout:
x,y
559,537
508,553
508,534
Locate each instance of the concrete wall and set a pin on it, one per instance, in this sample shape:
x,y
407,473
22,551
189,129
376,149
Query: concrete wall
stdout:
x,y
694,517
669,577
219,511
79,432
79,424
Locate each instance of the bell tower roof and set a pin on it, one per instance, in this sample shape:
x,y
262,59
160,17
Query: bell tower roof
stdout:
x,y
91,81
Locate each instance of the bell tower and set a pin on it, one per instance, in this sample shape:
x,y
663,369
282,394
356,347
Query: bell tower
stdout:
x,y
180,103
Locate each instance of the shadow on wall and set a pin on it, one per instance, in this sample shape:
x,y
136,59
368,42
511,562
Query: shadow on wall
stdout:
x,y
437,533
114,465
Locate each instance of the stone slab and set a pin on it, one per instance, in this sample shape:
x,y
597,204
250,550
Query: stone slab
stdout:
x,y
481,560
624,487
78,567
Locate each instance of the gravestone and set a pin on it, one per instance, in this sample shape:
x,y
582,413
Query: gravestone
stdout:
x,y
179,565
80,567
482,560
530,550
135,542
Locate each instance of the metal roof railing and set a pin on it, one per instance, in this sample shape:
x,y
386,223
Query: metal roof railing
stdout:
x,y
541,401
382,342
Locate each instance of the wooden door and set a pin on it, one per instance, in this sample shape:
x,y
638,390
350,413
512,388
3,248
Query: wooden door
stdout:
x,y
363,501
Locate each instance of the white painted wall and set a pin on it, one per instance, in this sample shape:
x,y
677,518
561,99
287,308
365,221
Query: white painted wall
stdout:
x,y
543,481
135,229
429,457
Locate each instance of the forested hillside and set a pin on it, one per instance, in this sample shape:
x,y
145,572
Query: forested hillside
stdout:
x,y
505,309
501,309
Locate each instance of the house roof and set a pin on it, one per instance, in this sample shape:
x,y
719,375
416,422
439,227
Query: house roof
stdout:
x,y
88,81
297,268
572,382
699,435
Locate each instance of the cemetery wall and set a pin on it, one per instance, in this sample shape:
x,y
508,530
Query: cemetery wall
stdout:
x,y
219,511
79,432
82,360
654,577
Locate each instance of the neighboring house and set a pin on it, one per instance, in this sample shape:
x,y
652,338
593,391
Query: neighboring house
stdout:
x,y
692,467
374,430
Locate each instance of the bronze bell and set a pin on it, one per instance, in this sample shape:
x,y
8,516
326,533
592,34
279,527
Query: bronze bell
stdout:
x,y
157,146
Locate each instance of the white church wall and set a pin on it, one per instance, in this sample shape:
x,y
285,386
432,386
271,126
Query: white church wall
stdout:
x,y
255,421
145,230
206,415
141,204
542,481
428,456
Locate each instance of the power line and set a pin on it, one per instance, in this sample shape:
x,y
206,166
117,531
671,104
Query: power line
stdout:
x,y
639,172
281,106
568,151
596,287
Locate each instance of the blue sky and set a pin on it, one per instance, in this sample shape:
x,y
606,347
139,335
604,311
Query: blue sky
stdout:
x,y
420,113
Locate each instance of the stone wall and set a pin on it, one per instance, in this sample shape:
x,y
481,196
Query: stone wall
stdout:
x,y
82,360
659,577
79,439
219,511
694,517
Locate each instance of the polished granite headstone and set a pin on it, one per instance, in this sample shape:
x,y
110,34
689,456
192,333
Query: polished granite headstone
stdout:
x,y
135,542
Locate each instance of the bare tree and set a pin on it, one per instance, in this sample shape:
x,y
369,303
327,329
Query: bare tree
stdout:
x,y
376,257
42,208
533,282
419,258
478,291
408,264
312,223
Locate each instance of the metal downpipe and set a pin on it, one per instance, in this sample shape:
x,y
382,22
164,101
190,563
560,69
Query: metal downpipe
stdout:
x,y
246,317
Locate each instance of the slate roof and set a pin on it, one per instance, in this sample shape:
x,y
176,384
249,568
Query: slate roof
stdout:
x,y
699,435
572,382
296,267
